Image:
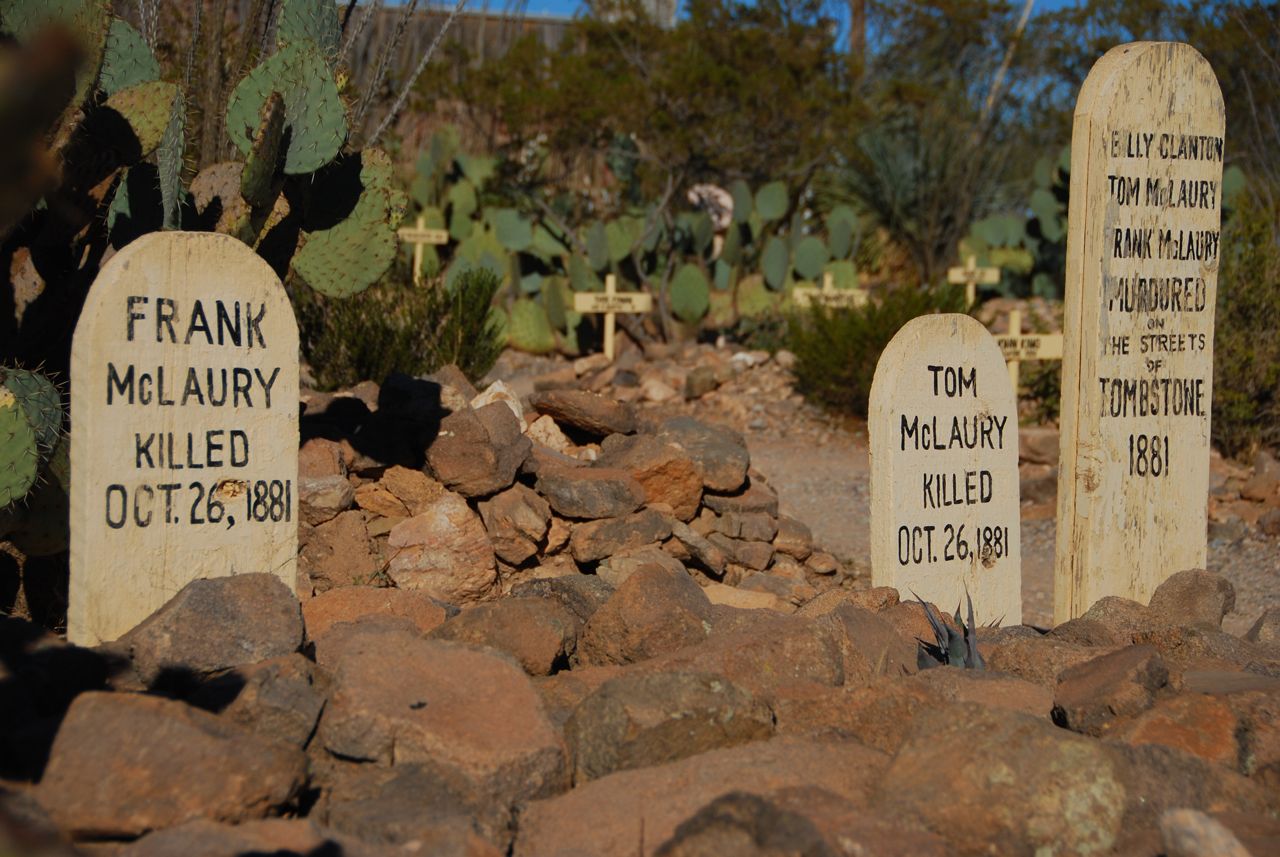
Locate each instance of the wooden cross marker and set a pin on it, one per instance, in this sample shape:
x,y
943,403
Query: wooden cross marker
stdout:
x,y
611,302
1017,347
829,295
419,236
972,276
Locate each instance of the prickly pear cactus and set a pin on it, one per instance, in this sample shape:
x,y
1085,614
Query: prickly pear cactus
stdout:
x,y
41,403
528,328
148,108
314,21
313,109
690,294
19,451
127,61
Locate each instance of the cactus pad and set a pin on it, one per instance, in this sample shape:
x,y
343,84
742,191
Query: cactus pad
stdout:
x,y
528,328
513,229
313,108
40,402
690,295
256,181
19,458
148,108
771,201
774,263
169,163
811,256
314,21
127,61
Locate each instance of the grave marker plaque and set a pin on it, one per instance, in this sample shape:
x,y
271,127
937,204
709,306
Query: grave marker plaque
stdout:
x,y
1142,270
944,469
184,442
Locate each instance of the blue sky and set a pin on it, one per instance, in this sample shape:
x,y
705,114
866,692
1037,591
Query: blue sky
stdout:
x,y
568,7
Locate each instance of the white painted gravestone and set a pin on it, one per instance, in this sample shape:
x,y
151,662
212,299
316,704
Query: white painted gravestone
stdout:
x,y
944,469
1142,270
610,303
184,441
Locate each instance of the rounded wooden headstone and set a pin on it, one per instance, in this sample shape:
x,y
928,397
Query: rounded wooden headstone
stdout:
x,y
1142,271
943,429
184,428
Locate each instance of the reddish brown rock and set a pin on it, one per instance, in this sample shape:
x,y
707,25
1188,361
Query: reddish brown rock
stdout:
x,y
758,497
1036,659
268,836
639,720
719,453
747,825
665,473
213,625
1087,632
590,493
279,699
369,633
1186,649
745,599
1201,725
376,500
616,568
585,411
652,613
415,489
478,452
793,538
444,552
986,688
753,555
582,594
1264,484
877,714
563,692
539,633
872,646
1091,697
338,553
748,526
614,815
469,710
596,540
700,550
1267,628
875,599
124,764
1193,598
323,489
517,521
356,602
1123,617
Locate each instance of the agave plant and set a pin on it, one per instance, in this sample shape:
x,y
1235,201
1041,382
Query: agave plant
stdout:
x,y
950,647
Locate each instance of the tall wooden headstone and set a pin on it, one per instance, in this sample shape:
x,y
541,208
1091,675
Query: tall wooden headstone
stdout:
x,y
943,428
184,428
1142,270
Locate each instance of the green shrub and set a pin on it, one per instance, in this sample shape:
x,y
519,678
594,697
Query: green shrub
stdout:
x,y
397,326
837,350
1246,358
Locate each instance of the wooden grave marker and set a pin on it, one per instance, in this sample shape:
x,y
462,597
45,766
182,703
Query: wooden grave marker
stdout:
x,y
184,442
829,295
420,236
971,276
1017,346
943,429
1141,282
611,302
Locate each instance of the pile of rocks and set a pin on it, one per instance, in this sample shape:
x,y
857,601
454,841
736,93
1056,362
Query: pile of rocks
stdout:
x,y
575,717
496,496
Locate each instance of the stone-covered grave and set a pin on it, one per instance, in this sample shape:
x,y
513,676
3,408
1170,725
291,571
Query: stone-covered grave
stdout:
x,y
500,497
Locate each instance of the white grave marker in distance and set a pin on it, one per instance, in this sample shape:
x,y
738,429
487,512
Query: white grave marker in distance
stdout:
x,y
610,302
420,236
971,276
1017,346
1142,270
829,295
943,432
184,441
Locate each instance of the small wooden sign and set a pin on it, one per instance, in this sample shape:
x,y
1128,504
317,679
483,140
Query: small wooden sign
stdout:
x,y
610,302
971,276
1143,249
829,295
943,431
420,236
184,416
1018,346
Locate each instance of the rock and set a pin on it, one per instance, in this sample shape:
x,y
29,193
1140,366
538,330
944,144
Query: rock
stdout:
x,y
268,836
615,569
563,692
1267,628
323,489
478,452
590,493
585,411
1038,445
986,688
758,497
875,599
1187,649
745,599
1093,695
500,392
1087,632
338,553
630,813
280,698
719,453
657,390
1123,617
213,625
1036,659
517,521
637,721
877,715
413,488
376,500
746,825
451,375
1157,779
596,540
700,381
706,554
539,633
1037,787
1265,482
1193,598
124,764
370,633
1188,833
652,613
871,646
821,562
666,473
558,533
582,594
471,711
544,431
351,603
443,552
1194,723
793,538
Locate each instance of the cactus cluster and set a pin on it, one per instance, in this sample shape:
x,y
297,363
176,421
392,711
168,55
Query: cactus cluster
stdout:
x,y
950,647
34,474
